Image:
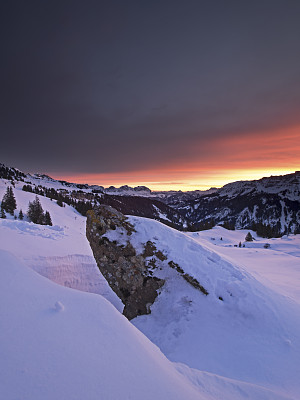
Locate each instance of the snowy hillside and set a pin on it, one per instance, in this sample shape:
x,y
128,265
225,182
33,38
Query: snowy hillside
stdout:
x,y
44,180
289,185
274,262
59,252
58,343
133,201
216,313
240,341
248,327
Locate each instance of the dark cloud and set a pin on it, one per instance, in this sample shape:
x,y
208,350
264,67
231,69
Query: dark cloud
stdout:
x,y
109,86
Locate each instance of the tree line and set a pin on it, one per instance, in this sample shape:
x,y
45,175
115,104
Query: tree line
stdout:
x,y
35,212
82,206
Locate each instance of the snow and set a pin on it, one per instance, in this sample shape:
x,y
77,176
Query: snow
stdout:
x,y
119,235
160,214
217,387
69,341
59,343
60,252
253,335
277,267
287,184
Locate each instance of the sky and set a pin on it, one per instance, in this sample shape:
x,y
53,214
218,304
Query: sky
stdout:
x,y
168,94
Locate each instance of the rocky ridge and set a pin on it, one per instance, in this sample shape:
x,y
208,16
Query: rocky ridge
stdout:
x,y
126,271
269,206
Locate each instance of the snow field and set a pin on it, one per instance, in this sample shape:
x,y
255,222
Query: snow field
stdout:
x,y
251,335
60,252
61,343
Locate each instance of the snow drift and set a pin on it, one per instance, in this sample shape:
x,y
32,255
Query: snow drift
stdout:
x,y
58,343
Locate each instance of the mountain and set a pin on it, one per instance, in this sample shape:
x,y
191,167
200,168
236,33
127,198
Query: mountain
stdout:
x,y
11,173
132,201
240,341
176,197
286,185
270,206
146,207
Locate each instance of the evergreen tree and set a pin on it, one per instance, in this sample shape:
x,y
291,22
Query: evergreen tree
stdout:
x,y
21,215
27,188
229,225
35,211
48,220
2,212
249,237
83,206
9,202
59,202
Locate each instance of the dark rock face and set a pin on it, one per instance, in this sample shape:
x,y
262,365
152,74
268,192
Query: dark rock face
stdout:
x,y
124,270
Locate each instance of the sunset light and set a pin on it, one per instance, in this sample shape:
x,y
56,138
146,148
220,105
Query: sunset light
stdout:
x,y
188,181
211,163
150,200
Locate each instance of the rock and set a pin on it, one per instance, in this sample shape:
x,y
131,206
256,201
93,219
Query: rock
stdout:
x,y
124,269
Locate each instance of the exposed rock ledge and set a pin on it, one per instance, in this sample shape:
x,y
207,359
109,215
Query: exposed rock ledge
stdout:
x,y
124,269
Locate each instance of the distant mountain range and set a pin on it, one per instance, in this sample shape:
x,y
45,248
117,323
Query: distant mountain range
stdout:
x,y
138,201
270,206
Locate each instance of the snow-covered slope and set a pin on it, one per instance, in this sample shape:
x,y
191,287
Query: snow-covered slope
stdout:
x,y
58,343
241,341
134,201
274,262
11,173
245,329
60,252
287,184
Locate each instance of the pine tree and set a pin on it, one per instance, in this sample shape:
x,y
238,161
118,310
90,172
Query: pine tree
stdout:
x,y
48,220
249,237
9,202
27,188
2,212
35,211
21,215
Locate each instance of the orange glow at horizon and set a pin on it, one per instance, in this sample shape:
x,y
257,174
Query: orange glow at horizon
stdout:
x,y
222,160
203,182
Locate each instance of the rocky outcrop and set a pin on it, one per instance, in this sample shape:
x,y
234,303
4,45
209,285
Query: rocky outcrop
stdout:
x,y
124,269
